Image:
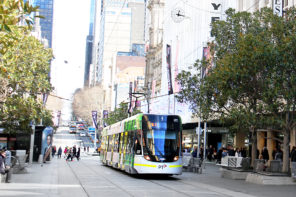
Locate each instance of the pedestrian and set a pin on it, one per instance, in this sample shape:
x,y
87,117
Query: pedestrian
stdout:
x,y
69,155
265,154
231,151
53,151
65,152
293,154
88,149
238,152
60,152
84,149
210,152
74,152
8,164
224,153
194,152
279,155
78,154
4,169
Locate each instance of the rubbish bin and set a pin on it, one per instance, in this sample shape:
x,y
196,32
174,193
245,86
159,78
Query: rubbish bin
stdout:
x,y
275,166
258,165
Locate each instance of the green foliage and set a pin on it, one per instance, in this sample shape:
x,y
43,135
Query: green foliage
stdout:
x,y
252,81
119,114
24,68
248,74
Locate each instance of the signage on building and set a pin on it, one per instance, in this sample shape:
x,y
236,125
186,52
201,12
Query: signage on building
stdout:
x,y
278,7
216,10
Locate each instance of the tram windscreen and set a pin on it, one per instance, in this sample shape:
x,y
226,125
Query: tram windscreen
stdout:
x,y
161,137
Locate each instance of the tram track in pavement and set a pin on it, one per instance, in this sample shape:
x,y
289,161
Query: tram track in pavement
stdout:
x,y
131,176
92,170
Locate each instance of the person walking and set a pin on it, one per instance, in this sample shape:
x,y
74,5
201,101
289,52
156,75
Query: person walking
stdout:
x,y
4,169
74,152
279,155
65,152
265,154
293,154
210,152
60,152
70,155
78,154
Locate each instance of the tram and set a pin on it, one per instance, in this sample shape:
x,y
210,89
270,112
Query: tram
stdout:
x,y
144,144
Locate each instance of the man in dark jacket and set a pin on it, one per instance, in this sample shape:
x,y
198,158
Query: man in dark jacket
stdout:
x,y
74,152
293,154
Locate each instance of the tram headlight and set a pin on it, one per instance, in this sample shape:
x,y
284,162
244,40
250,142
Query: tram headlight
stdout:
x,y
147,157
176,158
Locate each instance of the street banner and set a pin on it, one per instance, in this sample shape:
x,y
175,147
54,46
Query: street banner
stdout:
x,y
44,99
130,109
169,72
94,118
207,56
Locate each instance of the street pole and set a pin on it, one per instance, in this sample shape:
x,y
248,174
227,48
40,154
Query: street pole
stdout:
x,y
205,140
95,140
32,144
198,129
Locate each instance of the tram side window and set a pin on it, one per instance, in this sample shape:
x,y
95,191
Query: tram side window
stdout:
x,y
129,142
119,139
109,143
116,143
137,145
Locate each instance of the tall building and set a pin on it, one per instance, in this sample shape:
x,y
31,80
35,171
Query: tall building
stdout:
x,y
46,23
121,25
89,45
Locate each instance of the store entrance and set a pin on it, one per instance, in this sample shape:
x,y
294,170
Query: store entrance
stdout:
x,y
215,139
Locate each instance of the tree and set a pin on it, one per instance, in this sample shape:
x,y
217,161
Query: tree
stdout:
x,y
245,53
120,114
24,68
86,100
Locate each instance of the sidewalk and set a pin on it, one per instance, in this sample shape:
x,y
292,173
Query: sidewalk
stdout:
x,y
54,178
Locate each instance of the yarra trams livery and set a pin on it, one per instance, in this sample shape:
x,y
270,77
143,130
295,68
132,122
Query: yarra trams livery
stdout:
x,y
144,144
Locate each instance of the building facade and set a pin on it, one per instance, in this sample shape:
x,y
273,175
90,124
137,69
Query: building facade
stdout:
x,y
46,23
121,25
89,44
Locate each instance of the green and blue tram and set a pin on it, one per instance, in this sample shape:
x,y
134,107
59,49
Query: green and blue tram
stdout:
x,y
144,144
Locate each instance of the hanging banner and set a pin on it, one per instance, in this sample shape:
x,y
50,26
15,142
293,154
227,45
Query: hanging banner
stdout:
x,y
94,115
169,72
130,109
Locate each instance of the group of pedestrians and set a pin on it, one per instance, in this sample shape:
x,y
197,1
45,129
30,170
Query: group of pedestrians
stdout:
x,y
5,164
71,153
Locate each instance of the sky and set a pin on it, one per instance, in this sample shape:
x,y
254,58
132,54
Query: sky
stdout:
x,y
70,28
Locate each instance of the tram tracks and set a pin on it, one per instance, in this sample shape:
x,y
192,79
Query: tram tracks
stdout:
x,y
155,182
101,175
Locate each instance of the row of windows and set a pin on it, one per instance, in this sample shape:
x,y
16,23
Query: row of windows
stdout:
x,y
128,142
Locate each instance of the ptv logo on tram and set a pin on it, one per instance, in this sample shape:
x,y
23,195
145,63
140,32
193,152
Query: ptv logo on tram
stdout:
x,y
162,166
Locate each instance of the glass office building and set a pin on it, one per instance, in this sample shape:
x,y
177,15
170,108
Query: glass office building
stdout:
x,y
46,23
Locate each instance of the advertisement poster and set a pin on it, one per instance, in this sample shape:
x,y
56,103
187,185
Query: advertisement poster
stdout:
x,y
47,135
